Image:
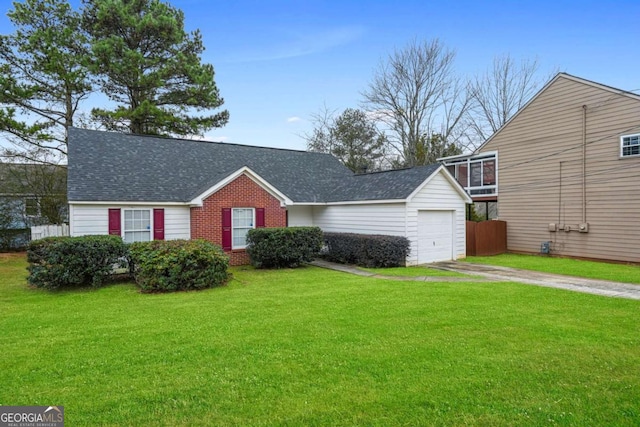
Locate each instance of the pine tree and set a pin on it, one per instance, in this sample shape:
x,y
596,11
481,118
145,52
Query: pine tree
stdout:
x,y
151,68
43,79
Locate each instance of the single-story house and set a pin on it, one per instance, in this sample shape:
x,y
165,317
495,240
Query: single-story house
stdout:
x,y
564,172
147,187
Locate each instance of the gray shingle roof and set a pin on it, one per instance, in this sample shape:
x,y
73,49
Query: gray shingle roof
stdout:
x,y
108,166
386,185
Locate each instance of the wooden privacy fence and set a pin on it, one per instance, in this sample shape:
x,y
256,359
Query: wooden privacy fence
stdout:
x,y
42,231
486,238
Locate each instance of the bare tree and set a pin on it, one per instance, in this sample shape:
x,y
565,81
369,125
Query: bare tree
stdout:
x,y
321,139
499,93
416,93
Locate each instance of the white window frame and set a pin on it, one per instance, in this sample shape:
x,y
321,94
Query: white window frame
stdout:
x,y
622,146
233,227
482,158
123,223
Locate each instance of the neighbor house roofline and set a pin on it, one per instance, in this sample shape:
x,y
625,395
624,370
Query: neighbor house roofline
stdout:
x,y
465,156
549,83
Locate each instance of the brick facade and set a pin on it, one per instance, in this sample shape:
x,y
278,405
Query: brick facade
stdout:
x,y
243,192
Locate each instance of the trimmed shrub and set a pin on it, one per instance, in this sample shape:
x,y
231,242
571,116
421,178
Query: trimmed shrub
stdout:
x,y
366,250
283,247
14,239
178,265
56,262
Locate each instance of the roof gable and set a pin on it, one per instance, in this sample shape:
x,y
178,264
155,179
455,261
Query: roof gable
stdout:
x,y
450,179
550,84
251,175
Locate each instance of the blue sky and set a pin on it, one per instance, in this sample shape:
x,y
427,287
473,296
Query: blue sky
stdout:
x,y
278,62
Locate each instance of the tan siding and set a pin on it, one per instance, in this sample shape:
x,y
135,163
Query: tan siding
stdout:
x,y
532,146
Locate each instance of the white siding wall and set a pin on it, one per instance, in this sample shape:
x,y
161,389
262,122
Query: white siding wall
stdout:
x,y
300,216
438,194
177,222
384,218
94,219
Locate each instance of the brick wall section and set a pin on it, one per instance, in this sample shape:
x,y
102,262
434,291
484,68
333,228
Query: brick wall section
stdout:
x,y
243,192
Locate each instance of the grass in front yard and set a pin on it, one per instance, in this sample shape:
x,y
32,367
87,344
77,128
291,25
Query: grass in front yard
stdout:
x,y
626,273
318,347
412,272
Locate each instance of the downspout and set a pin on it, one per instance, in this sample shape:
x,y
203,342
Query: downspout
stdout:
x,y
584,163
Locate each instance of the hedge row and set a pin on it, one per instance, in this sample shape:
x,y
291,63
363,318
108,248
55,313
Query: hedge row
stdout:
x,y
158,266
365,249
162,266
74,261
283,247
178,265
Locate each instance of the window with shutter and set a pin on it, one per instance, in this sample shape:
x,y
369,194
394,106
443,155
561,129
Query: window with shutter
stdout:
x,y
137,225
243,220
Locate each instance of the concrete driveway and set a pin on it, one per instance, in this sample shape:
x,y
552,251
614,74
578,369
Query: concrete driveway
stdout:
x,y
504,274
589,286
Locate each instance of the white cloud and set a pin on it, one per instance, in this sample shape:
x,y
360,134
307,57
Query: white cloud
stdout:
x,y
379,115
293,119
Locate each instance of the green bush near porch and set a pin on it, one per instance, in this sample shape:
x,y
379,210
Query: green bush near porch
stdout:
x,y
284,247
60,262
178,265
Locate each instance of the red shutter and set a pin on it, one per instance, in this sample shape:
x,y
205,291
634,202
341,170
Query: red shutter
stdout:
x,y
259,217
226,229
114,222
158,224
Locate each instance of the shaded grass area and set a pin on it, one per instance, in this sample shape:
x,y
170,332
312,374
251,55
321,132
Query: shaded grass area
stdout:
x,y
625,273
318,347
412,272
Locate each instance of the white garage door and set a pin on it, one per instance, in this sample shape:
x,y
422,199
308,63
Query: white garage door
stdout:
x,y
435,236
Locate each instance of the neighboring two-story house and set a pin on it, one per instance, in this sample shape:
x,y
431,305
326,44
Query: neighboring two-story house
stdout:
x,y
564,172
30,194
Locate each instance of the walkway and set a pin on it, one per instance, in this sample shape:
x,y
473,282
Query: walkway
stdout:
x,y
505,274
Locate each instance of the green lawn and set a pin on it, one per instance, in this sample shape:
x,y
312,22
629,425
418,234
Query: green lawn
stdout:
x,y
317,347
572,267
